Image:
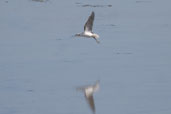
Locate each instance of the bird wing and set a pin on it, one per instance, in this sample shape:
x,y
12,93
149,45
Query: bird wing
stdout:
x,y
89,24
97,40
90,101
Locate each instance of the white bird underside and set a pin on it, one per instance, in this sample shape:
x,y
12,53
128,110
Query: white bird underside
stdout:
x,y
88,29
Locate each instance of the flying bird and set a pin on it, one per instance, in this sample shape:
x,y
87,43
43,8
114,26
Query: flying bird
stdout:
x,y
88,29
88,92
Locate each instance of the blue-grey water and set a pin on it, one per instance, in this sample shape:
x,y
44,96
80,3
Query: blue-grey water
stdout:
x,y
41,62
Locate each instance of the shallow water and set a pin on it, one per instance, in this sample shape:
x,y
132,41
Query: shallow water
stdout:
x,y
41,62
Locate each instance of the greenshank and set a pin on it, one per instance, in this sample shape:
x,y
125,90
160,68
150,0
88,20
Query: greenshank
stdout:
x,y
88,29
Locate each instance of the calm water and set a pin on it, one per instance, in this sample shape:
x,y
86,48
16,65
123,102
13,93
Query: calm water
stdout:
x,y
41,62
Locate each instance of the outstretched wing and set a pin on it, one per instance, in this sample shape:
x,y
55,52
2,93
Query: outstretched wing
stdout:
x,y
90,101
89,24
97,40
